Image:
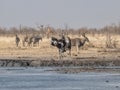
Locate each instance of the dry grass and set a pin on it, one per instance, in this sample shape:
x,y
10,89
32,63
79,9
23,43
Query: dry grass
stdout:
x,y
95,49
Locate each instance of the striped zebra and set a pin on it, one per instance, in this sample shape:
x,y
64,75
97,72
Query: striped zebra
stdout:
x,y
32,40
25,40
17,40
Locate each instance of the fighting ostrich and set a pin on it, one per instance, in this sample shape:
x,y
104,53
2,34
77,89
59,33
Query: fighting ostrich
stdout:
x,y
62,44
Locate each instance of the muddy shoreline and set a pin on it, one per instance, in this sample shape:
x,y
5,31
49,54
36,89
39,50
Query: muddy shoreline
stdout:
x,y
58,63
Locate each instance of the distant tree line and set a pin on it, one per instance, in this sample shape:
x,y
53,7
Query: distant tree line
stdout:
x,y
111,29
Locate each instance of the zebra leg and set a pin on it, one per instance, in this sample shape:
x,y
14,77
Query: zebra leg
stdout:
x,y
32,44
16,44
77,48
23,44
38,43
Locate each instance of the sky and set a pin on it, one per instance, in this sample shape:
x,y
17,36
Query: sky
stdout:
x,y
59,13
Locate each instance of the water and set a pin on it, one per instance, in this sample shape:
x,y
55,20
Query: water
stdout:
x,y
45,78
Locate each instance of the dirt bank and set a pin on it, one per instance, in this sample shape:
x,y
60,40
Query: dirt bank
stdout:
x,y
46,55
38,62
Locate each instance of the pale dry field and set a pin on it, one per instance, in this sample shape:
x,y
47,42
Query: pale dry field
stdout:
x,y
95,49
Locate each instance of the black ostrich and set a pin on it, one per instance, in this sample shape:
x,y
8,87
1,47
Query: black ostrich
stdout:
x,y
62,44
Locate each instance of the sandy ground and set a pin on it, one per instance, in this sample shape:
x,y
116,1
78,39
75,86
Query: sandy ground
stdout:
x,y
44,51
52,53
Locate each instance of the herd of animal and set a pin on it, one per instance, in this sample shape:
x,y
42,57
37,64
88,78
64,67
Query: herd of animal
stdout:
x,y
29,40
63,44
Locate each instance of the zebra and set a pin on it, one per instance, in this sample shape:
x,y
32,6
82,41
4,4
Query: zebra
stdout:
x,y
17,40
79,42
31,40
25,40
34,40
62,44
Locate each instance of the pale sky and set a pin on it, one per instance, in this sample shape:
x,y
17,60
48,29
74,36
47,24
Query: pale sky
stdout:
x,y
57,13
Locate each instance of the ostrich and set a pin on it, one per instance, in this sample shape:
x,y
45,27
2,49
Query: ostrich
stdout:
x,y
17,40
62,44
79,42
